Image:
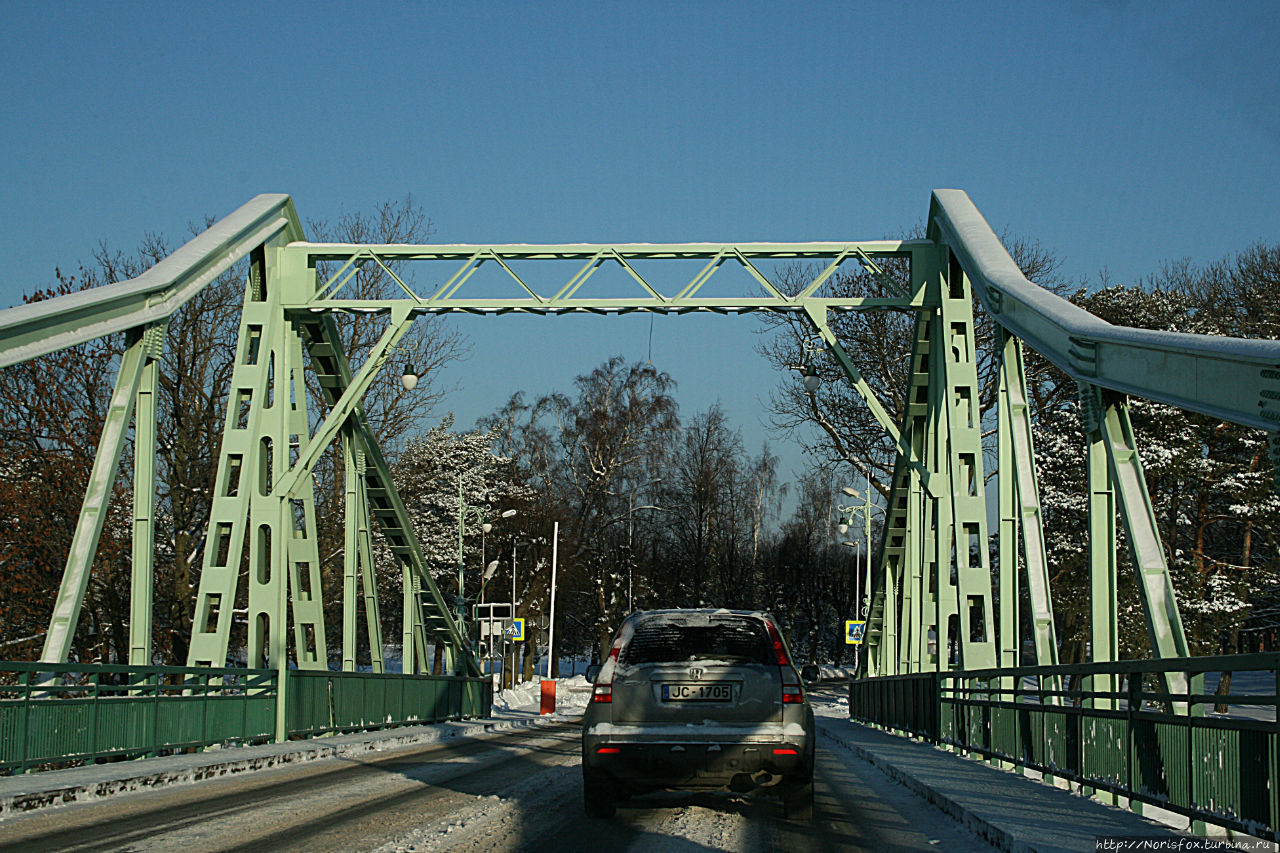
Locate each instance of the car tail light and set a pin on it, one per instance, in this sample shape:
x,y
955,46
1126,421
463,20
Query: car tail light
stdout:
x,y
792,690
603,690
784,751
779,650
613,750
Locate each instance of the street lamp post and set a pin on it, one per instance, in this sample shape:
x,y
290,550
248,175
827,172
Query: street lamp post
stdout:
x,y
631,509
489,572
485,527
864,509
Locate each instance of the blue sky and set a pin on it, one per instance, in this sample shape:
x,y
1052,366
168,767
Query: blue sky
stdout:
x,y
1118,134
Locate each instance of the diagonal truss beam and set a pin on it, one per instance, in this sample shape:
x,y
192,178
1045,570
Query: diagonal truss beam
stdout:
x,y
321,337
93,512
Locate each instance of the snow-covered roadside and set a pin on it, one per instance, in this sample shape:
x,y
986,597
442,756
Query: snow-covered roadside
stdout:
x,y
572,695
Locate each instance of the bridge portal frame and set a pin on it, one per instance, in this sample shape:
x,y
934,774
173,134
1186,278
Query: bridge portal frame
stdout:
x,y
1233,379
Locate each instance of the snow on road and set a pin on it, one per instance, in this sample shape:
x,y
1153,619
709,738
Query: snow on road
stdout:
x,y
497,821
859,807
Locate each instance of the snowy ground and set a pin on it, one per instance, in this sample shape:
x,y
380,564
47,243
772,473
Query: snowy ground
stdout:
x,y
540,808
572,695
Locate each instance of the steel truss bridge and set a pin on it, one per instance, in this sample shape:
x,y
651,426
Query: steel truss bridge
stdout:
x,y
931,586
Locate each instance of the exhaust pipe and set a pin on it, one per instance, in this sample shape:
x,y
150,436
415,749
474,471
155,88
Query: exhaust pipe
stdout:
x,y
765,779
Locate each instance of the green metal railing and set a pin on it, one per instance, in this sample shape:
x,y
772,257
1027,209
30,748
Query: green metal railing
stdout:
x,y
1111,727
63,714
320,701
68,713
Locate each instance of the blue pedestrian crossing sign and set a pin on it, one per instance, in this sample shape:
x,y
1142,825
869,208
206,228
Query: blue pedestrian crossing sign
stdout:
x,y
854,632
515,631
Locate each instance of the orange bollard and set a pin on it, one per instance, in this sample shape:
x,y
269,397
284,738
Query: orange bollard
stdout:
x,y
548,697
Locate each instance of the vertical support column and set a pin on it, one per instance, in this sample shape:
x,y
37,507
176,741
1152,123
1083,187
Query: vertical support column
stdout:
x,y
906,548
270,516
310,646
409,628
420,627
278,638
912,574
245,462
886,629
957,397
1017,410
144,499
1010,630
938,529
93,511
350,549
1159,602
368,576
1103,609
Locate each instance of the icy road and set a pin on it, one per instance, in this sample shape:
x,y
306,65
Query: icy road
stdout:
x,y
514,790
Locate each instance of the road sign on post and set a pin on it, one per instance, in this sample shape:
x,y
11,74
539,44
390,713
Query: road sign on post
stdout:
x,y
515,631
854,630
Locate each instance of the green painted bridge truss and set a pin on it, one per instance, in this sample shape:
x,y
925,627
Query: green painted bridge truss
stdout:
x,y
931,587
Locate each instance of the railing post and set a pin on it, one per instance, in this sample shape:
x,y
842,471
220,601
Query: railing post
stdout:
x,y
1017,723
154,680
1133,687
1274,774
203,681
1194,683
282,722
244,708
24,681
93,715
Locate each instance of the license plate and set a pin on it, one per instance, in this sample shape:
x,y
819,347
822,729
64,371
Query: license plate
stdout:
x,y
697,692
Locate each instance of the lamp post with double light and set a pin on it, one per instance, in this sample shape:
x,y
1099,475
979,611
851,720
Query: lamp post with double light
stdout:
x,y
848,514
631,511
478,514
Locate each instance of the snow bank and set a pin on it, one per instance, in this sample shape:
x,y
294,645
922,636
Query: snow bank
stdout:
x,y
572,695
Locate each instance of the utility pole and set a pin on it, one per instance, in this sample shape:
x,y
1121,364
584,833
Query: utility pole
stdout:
x,y
551,636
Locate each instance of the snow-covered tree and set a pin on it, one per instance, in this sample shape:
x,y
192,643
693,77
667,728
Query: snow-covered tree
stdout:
x,y
428,475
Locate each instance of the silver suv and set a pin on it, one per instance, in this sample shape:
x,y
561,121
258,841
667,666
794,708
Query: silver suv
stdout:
x,y
698,699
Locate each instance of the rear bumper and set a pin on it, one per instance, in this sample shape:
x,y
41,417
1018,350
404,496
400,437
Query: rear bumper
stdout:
x,y
696,764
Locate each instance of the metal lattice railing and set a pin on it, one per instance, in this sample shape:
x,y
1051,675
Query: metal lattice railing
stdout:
x,y
65,714
1109,727
54,714
328,701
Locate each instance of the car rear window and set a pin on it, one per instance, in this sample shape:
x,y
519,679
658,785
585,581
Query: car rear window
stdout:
x,y
682,637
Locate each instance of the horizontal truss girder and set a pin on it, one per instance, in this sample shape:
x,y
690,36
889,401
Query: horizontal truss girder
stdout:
x,y
716,305
587,251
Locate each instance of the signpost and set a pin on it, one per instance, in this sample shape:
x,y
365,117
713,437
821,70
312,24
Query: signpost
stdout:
x,y
854,630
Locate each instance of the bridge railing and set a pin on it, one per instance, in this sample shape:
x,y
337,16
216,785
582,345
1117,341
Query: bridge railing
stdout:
x,y
65,714
1108,727
71,713
322,701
